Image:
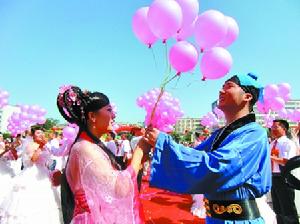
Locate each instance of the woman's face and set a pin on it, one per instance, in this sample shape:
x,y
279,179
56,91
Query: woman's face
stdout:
x,y
39,136
103,120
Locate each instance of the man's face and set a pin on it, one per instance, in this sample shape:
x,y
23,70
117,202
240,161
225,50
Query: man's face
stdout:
x,y
231,96
277,130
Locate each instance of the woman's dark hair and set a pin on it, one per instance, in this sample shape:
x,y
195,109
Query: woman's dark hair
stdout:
x,y
74,105
35,128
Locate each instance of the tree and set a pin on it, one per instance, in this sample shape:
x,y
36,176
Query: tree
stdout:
x,y
50,122
176,136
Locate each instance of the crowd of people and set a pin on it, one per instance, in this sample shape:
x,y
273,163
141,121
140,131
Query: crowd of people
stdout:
x,y
98,177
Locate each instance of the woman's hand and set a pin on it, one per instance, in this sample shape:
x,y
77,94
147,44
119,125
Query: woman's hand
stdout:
x,y
140,154
36,155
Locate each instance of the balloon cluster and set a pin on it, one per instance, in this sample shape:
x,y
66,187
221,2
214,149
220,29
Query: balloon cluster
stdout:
x,y
179,19
219,113
292,115
20,121
268,120
275,97
3,98
209,120
212,119
162,113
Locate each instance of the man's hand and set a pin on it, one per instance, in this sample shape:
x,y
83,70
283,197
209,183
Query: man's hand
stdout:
x,y
151,135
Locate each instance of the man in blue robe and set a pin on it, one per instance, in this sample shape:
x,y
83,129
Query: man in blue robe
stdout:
x,y
231,168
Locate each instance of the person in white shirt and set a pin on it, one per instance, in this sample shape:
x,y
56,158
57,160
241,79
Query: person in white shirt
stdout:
x,y
110,143
117,147
126,148
295,132
283,197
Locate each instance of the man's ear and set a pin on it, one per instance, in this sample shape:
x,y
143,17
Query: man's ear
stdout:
x,y
248,97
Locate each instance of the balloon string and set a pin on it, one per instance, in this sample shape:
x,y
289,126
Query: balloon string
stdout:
x,y
154,59
162,89
156,103
168,66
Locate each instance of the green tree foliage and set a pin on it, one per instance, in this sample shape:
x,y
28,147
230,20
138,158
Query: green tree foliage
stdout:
x,y
50,122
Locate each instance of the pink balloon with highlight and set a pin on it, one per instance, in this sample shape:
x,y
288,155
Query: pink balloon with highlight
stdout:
x,y
185,32
210,29
141,27
282,113
284,88
261,107
271,91
164,18
69,132
190,10
215,63
183,56
277,104
232,32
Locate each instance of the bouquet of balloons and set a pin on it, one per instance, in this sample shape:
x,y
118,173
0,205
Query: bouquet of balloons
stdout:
x,y
28,115
162,109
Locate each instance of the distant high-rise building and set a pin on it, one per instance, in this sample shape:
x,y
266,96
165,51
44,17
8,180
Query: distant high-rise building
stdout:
x,y
188,124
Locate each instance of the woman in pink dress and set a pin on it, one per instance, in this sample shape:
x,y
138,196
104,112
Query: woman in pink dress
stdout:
x,y
96,190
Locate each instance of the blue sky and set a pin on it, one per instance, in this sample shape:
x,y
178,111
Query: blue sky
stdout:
x,y
45,44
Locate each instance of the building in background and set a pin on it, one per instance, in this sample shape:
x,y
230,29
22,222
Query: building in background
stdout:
x,y
187,124
193,124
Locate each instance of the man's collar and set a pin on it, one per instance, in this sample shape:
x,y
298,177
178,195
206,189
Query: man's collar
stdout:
x,y
241,121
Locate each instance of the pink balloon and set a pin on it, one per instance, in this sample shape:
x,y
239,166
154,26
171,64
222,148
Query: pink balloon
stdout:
x,y
232,32
296,115
283,113
185,32
190,10
41,120
41,111
32,117
33,109
141,28
284,89
24,108
4,94
277,103
24,115
286,97
262,108
4,102
164,18
210,29
183,56
270,91
69,132
215,63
